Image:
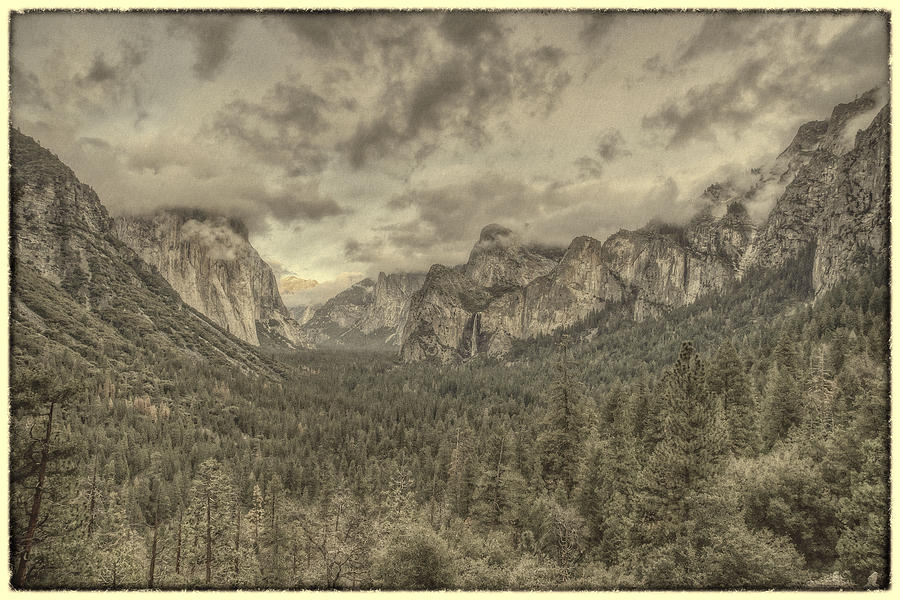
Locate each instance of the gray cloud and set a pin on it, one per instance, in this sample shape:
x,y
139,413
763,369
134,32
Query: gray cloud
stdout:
x,y
596,27
79,87
452,120
479,76
730,32
611,145
589,166
282,129
289,208
94,142
363,252
26,88
448,218
454,214
114,78
212,38
365,38
797,83
470,29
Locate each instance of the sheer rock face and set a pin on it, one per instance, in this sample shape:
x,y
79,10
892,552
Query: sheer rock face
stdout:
x,y
390,304
59,225
837,204
439,313
209,261
831,195
856,217
369,313
456,316
500,259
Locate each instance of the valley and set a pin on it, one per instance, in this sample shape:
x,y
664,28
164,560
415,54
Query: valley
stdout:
x,y
333,339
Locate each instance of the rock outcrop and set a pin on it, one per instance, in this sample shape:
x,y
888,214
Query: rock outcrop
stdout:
x,y
831,199
368,313
209,261
59,225
837,205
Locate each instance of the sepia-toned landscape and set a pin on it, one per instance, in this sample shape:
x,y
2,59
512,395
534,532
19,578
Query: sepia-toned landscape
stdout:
x,y
449,300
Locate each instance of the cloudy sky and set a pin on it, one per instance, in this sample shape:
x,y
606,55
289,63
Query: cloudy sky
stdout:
x,y
359,142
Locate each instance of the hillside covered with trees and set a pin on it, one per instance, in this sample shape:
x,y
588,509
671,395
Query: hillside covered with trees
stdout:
x,y
741,442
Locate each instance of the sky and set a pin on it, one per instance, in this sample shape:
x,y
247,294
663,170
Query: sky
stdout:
x,y
353,143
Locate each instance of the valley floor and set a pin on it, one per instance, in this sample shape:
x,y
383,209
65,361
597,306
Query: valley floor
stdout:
x,y
608,456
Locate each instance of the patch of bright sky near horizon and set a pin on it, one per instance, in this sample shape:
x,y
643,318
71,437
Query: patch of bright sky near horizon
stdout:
x,y
357,143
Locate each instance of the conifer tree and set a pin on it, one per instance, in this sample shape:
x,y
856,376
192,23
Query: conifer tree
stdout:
x,y
782,405
210,515
673,505
561,442
729,380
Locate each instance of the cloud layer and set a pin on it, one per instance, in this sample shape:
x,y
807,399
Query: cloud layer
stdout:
x,y
351,143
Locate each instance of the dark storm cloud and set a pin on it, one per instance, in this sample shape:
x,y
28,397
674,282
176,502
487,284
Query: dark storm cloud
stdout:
x,y
290,106
727,31
79,87
212,38
611,145
100,71
26,88
318,29
283,129
479,77
288,209
469,29
448,218
596,27
797,83
250,201
363,252
695,114
105,73
362,37
454,213
589,166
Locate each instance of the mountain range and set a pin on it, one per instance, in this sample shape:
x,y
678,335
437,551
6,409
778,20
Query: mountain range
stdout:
x,y
191,281
831,202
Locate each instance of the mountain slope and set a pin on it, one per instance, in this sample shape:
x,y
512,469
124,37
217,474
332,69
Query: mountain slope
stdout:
x,y
368,313
76,287
209,261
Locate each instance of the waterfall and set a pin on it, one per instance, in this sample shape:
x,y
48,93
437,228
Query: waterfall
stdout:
x,y
473,344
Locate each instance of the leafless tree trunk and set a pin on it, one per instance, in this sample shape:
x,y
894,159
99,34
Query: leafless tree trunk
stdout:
x,y
208,540
178,546
153,546
237,541
90,530
22,570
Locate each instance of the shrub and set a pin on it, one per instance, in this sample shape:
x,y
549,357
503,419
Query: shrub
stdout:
x,y
415,558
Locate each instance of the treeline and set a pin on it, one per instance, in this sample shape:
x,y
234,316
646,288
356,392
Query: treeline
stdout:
x,y
754,458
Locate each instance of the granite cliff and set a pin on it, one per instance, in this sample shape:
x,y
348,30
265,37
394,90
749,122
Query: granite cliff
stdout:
x,y
209,261
368,313
831,199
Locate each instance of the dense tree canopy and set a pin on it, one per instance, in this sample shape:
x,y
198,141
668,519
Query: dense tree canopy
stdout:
x,y
754,456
